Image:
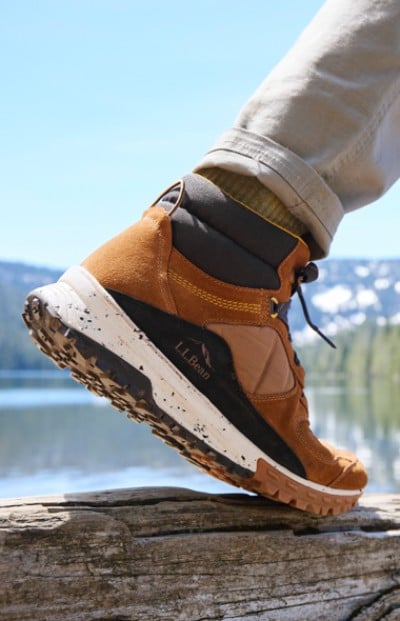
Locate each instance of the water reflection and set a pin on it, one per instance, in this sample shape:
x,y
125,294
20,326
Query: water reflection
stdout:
x,y
57,437
364,419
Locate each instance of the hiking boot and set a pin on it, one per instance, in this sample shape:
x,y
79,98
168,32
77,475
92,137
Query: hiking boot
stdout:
x,y
181,321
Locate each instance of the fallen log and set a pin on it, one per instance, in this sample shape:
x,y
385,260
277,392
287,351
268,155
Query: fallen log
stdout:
x,y
174,554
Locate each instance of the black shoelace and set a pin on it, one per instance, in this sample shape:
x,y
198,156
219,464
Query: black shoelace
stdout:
x,y
307,274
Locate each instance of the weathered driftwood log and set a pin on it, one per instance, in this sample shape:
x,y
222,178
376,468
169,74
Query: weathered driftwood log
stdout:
x,y
174,554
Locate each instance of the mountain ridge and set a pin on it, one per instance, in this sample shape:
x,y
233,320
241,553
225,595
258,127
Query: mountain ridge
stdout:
x,y
348,293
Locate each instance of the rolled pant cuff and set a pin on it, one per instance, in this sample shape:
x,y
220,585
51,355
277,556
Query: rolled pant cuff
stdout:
x,y
291,179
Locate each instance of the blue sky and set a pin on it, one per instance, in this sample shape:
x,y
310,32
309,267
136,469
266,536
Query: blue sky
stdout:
x,y
105,102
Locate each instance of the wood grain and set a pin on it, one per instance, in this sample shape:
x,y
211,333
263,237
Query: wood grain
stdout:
x,y
174,554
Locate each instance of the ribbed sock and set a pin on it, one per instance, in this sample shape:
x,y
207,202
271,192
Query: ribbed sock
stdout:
x,y
253,195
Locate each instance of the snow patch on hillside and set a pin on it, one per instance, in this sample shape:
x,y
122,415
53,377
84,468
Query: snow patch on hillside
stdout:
x,y
362,271
333,300
366,297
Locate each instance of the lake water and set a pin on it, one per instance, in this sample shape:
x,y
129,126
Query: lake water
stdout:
x,y
55,437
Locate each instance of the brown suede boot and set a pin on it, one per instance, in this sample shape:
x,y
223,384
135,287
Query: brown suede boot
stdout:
x,y
182,327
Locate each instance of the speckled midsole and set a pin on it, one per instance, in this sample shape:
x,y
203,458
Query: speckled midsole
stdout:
x,y
84,305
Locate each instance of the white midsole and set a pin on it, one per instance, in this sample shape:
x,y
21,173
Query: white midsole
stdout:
x,y
84,305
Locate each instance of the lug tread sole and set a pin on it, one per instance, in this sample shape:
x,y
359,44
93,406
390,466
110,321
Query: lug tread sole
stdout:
x,y
70,349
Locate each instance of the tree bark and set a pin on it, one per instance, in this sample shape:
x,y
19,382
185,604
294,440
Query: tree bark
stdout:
x,y
174,554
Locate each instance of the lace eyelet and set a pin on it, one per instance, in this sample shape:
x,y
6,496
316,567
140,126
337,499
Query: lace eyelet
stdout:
x,y
274,304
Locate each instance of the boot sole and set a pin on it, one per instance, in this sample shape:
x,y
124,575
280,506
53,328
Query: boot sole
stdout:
x,y
77,324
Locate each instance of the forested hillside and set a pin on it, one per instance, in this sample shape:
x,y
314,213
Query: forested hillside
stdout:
x,y
17,350
363,353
